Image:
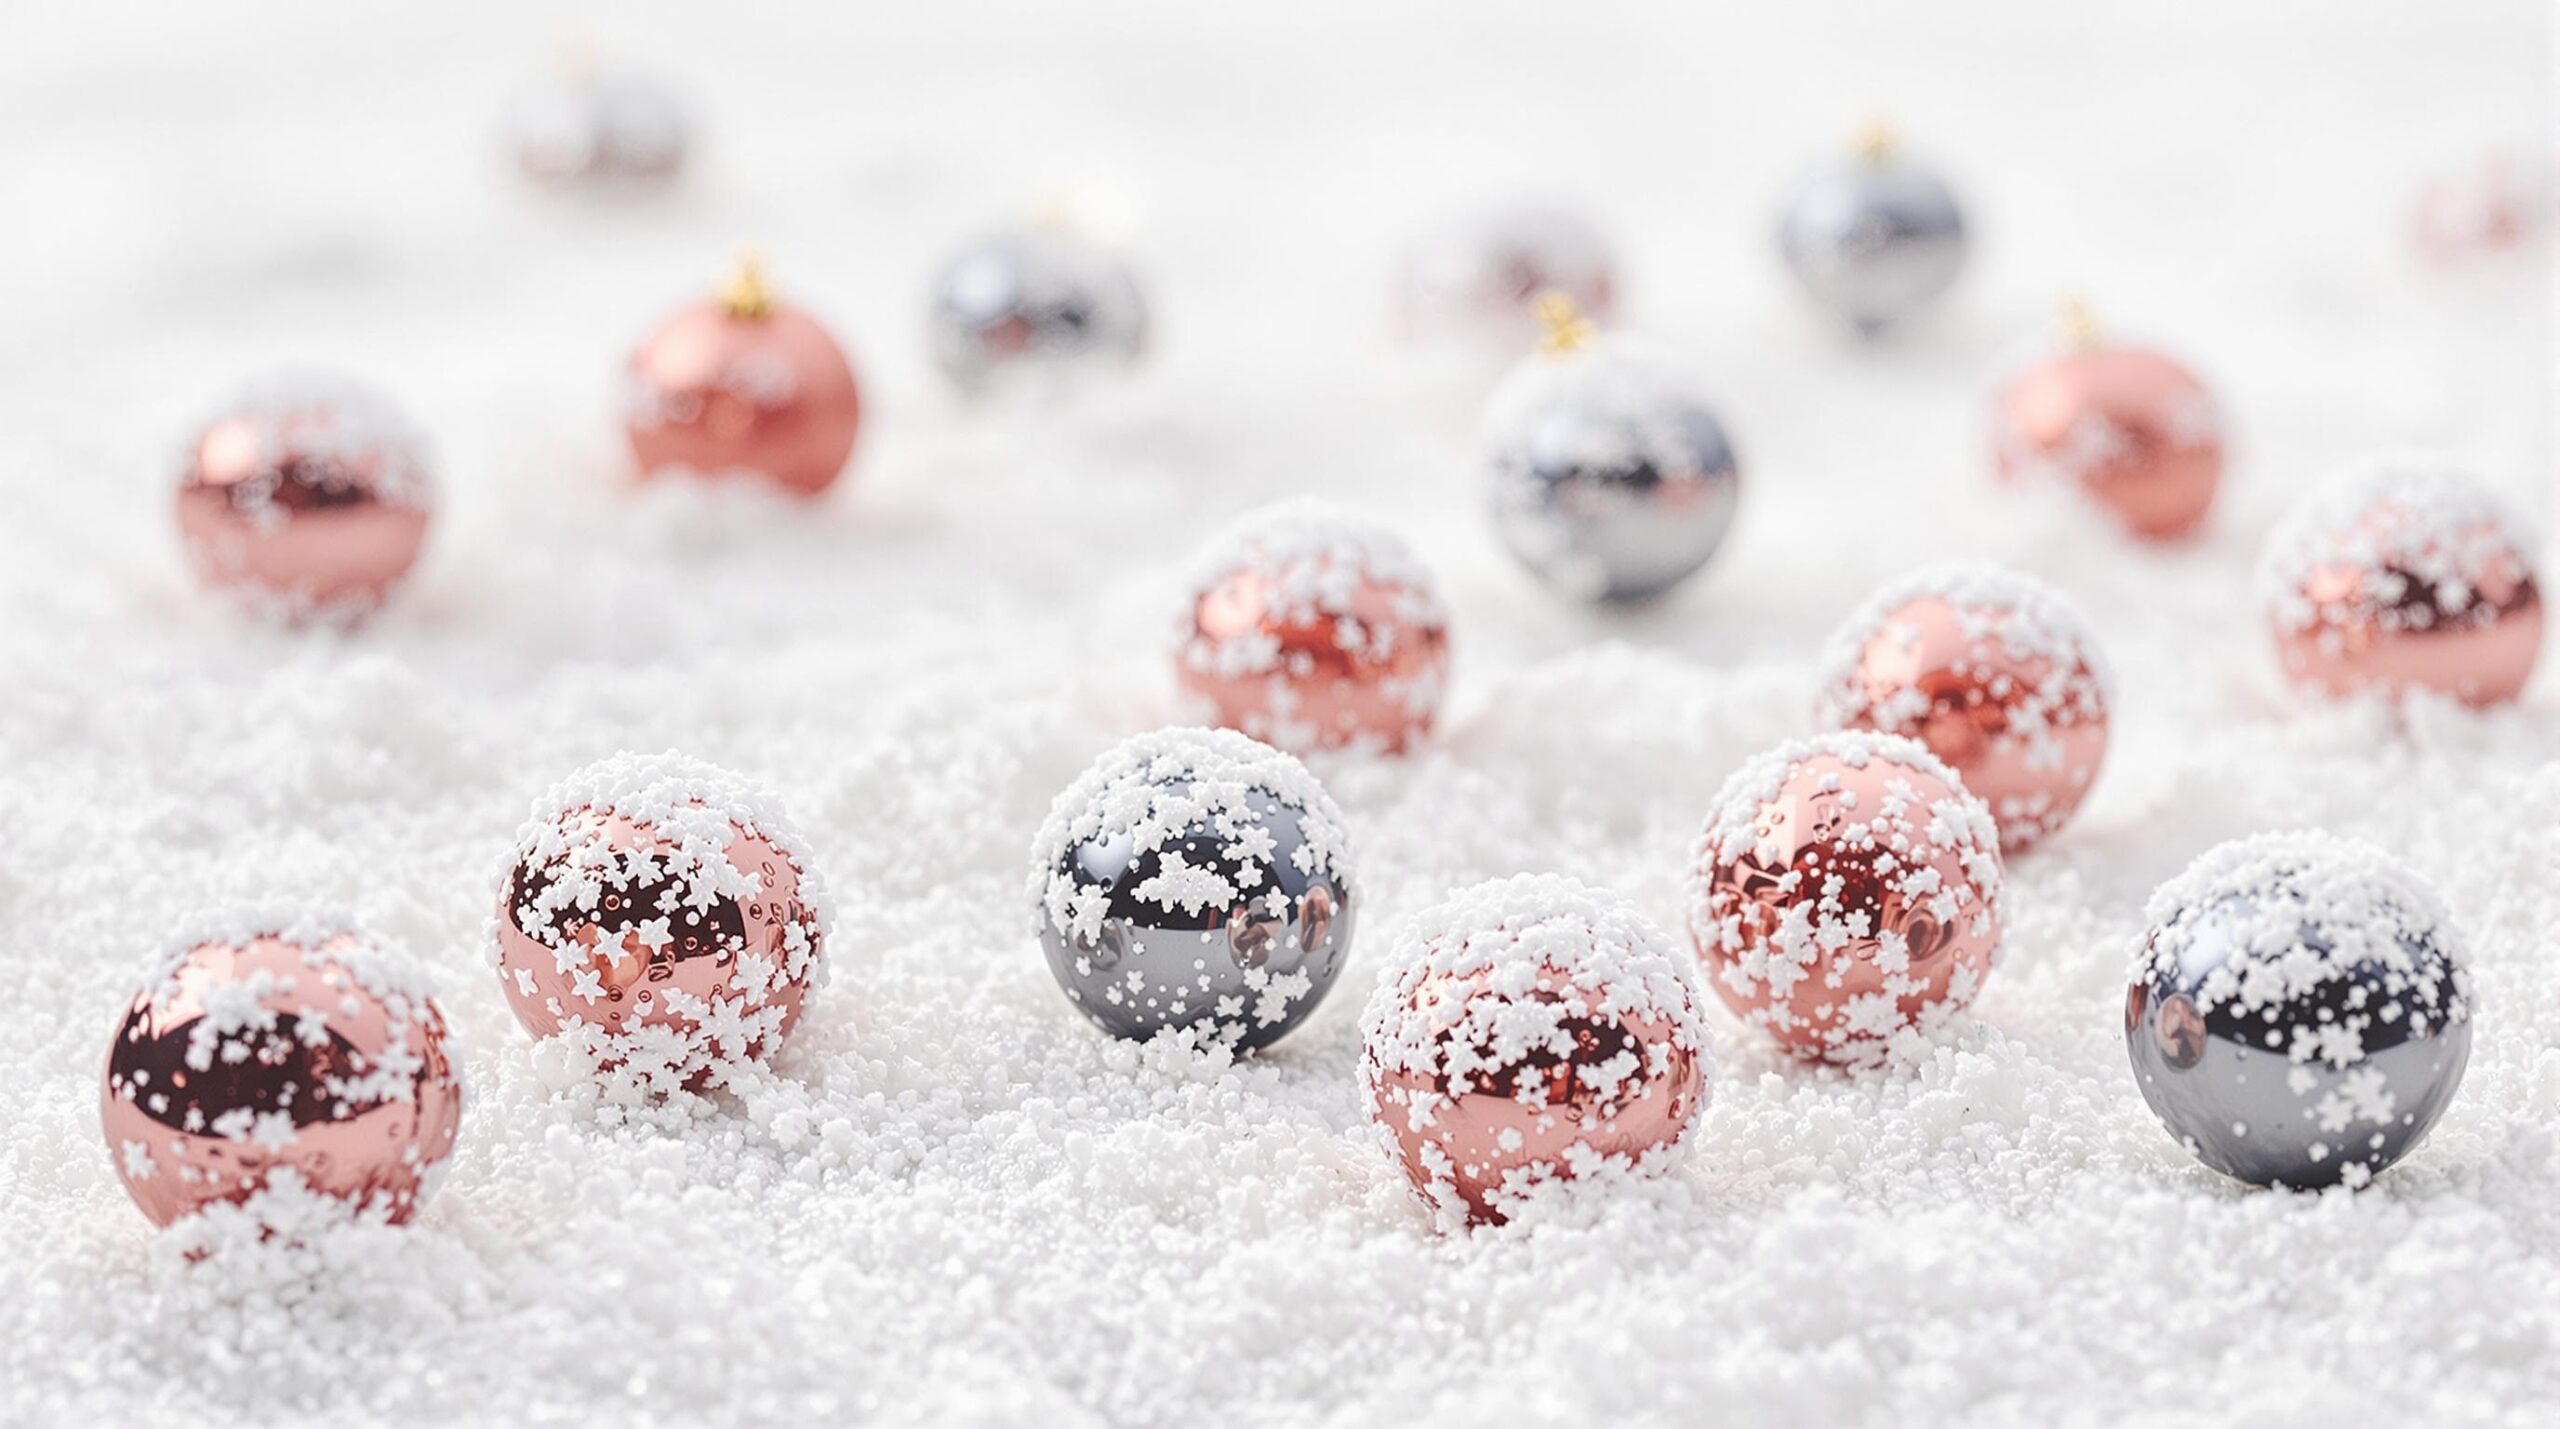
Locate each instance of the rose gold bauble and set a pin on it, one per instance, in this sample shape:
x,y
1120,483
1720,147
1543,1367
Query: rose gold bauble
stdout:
x,y
313,492
661,908
2404,575
2127,425
744,385
261,1053
1535,1032
1309,629
2503,201
1991,670
1475,277
1846,892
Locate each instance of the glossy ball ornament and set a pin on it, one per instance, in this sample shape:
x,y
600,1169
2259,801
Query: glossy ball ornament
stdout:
x,y
591,128
1874,238
1531,1032
1611,479
281,1049
2126,426
2404,574
663,914
2300,1013
743,386
310,494
1995,672
1311,628
1035,312
1845,896
1473,280
1194,879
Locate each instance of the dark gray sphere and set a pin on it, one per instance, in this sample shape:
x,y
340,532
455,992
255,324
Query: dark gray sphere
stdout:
x,y
2299,1015
1194,878
1037,310
1874,240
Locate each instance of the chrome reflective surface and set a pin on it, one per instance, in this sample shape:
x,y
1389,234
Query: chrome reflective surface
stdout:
x,y
1873,242
1610,502
1035,311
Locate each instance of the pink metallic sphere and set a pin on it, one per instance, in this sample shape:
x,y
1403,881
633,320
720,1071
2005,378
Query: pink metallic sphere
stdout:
x,y
1995,673
1311,630
311,492
2405,575
1474,278
2128,426
1846,892
744,385
662,910
1535,1032
249,1057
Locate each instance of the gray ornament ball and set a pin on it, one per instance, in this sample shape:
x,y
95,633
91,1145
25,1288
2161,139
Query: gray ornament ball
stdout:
x,y
1194,878
2299,1015
1609,478
1874,238
602,129
1037,309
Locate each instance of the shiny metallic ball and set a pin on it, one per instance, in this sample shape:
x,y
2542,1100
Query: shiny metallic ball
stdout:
x,y
599,129
1194,878
2300,1014
1471,281
1610,479
1035,311
1874,238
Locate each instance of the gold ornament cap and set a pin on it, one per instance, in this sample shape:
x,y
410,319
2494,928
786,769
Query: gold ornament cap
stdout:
x,y
1567,329
743,294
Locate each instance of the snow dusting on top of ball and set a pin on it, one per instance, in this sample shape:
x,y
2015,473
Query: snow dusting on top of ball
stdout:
x,y
342,429
1155,789
2008,617
1312,558
2399,526
1913,817
329,945
1627,400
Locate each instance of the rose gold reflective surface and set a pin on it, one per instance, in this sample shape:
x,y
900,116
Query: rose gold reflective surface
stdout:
x,y
301,502
718,394
2127,425
2376,623
266,1055
1366,673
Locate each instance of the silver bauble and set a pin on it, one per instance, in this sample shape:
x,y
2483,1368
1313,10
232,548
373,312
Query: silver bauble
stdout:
x,y
1038,310
1610,479
2300,1014
606,129
1194,878
1873,238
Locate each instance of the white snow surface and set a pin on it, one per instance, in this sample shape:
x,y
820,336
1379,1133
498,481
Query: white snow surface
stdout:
x,y
956,1202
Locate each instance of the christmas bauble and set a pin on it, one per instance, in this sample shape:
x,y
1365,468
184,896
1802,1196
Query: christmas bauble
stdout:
x,y
2404,574
1471,281
2127,426
592,128
1194,878
1611,479
743,386
2502,201
1312,628
1845,895
1035,312
1874,237
1995,672
310,493
1528,1032
664,914
2300,1014
263,1049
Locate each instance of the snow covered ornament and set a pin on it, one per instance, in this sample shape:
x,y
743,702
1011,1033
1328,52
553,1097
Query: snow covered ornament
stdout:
x,y
1194,879
1874,238
1845,895
743,386
1034,312
2127,426
1312,628
310,493
2300,1013
1995,672
2404,574
1470,282
663,913
1530,1032
589,128
282,1048
1610,478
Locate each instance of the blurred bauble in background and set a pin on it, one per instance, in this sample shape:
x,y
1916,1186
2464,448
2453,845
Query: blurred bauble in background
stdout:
x,y
276,1049
2126,425
1471,281
1313,628
1995,672
2402,574
1194,878
2504,201
2299,1014
310,493
1873,236
1611,479
743,385
1035,312
591,128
